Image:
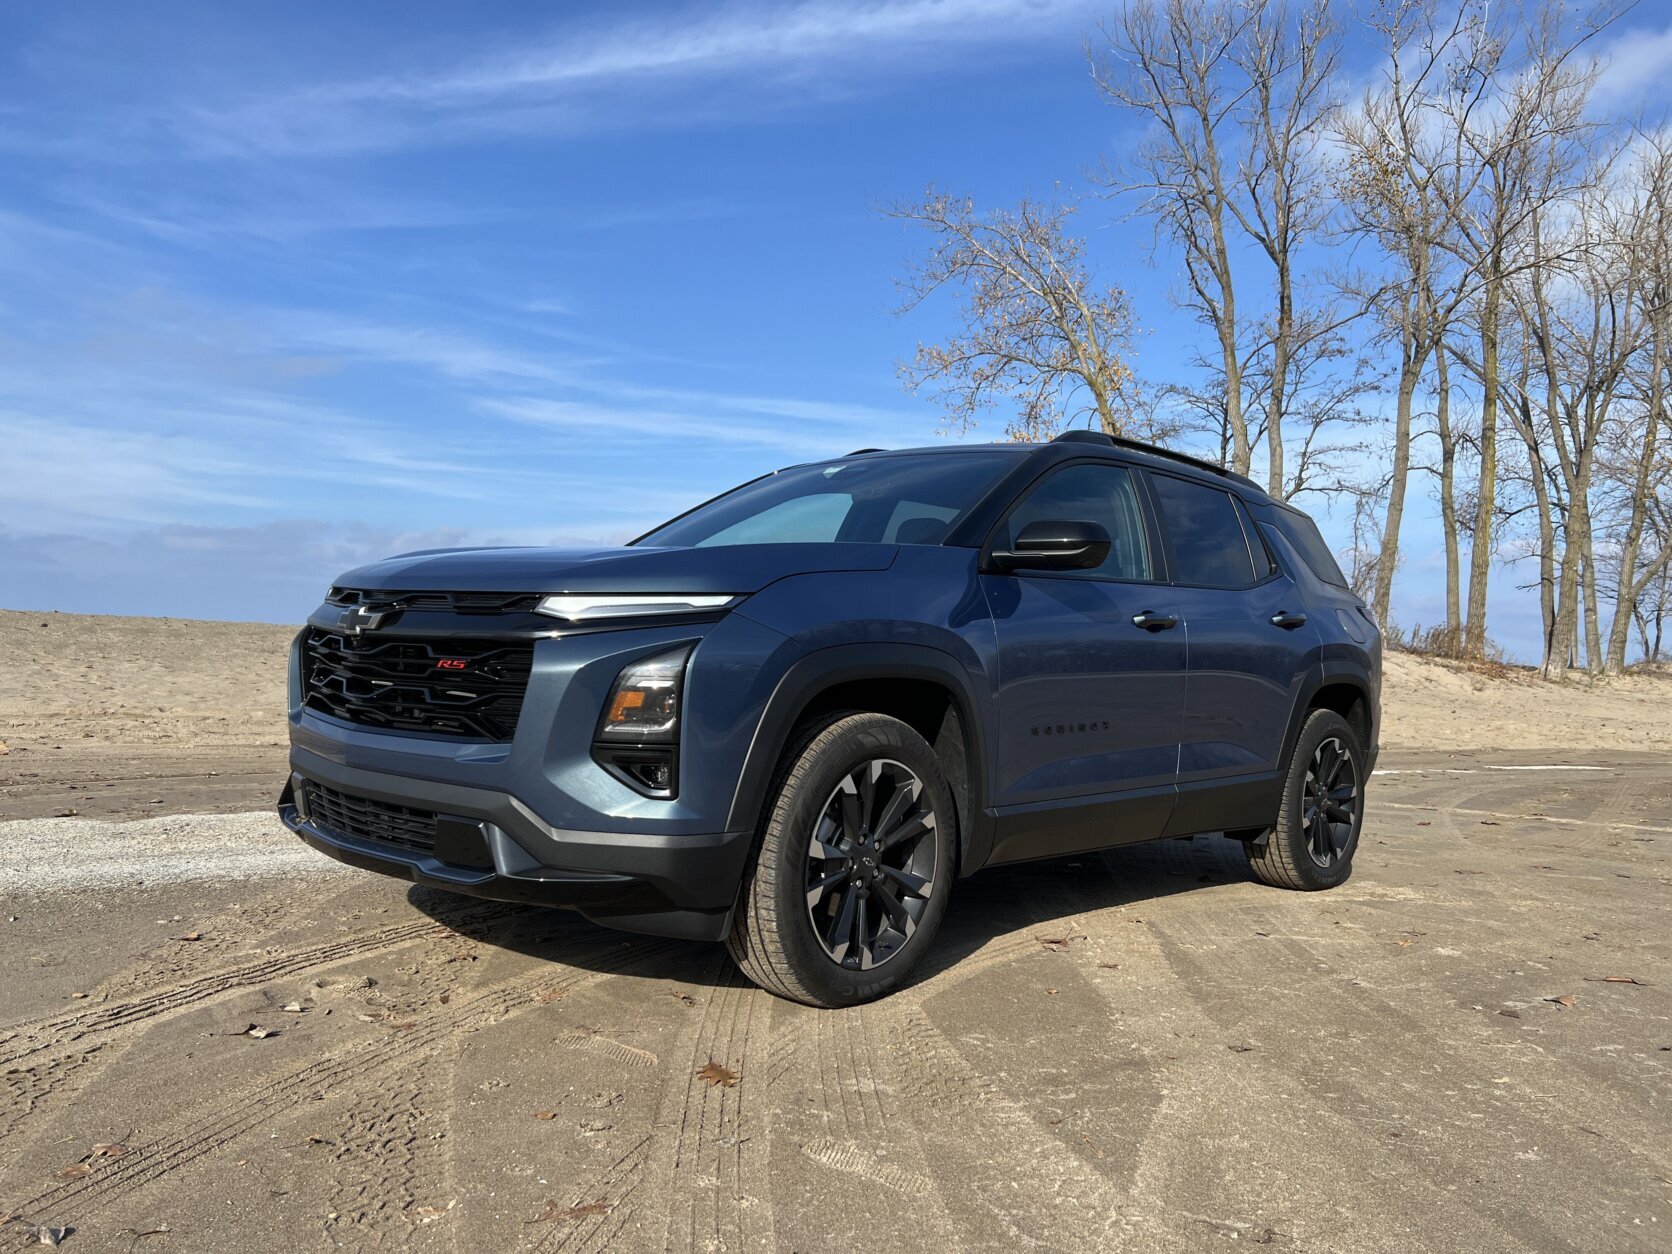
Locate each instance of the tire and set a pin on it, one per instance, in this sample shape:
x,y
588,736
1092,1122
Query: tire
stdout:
x,y
796,933
1312,846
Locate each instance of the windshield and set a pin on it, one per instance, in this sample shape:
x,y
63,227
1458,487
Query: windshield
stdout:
x,y
912,499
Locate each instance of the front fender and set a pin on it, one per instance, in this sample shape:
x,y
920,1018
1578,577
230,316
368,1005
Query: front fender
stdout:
x,y
823,669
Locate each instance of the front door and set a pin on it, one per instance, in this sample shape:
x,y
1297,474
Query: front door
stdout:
x,y
1091,678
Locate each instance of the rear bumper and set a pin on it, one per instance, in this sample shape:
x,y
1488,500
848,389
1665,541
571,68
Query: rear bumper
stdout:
x,y
492,845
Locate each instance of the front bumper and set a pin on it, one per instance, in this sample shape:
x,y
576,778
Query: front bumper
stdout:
x,y
494,846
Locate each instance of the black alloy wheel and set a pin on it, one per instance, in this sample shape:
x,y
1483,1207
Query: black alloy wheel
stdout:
x,y
871,864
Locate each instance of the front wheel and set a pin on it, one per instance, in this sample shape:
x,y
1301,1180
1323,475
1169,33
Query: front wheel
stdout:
x,y
1322,811
855,865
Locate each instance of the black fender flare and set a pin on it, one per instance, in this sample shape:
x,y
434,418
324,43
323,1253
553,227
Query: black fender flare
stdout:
x,y
823,669
1324,674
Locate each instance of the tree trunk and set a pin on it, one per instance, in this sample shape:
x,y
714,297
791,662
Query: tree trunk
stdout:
x,y
1480,548
1279,378
1593,631
1409,374
1626,590
1448,502
1564,636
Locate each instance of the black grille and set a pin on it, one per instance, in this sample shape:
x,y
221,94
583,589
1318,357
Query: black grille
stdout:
x,y
361,817
454,686
446,602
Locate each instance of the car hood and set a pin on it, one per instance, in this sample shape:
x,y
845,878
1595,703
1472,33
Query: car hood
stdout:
x,y
739,568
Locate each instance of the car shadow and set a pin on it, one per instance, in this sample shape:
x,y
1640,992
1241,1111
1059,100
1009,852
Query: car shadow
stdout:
x,y
1030,897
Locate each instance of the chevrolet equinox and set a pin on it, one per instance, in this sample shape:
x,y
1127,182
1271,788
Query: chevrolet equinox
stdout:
x,y
792,717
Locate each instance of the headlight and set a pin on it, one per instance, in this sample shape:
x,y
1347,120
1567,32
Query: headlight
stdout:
x,y
579,608
644,704
638,732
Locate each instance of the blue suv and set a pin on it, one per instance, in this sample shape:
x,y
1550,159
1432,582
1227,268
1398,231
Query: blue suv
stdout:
x,y
791,718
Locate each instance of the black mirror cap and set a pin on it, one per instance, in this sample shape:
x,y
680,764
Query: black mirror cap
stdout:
x,y
1055,545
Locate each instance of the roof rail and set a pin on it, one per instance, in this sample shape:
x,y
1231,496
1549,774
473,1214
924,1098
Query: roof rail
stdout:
x,y
858,451
1082,436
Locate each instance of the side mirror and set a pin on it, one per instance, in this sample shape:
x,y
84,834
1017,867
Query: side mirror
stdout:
x,y
1050,545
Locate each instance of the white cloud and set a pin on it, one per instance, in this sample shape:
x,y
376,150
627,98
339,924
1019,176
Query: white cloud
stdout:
x,y
640,71
1634,69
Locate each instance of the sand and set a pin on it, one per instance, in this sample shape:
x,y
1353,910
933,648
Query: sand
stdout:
x,y
103,680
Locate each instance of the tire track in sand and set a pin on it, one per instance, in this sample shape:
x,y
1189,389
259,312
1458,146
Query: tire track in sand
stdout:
x,y
271,1097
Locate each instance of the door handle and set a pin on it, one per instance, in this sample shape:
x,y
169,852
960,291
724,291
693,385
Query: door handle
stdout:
x,y
1149,620
1288,621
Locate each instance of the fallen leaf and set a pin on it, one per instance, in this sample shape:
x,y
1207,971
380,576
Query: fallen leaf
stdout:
x,y
1620,979
684,999
51,1236
138,1234
403,1027
545,1114
1056,944
445,998
190,936
1050,992
75,1171
718,1075
109,1150
4,748
78,996
1566,999
1240,1049
293,1007
320,1140
428,1214
556,1212
1403,944
551,995
67,814
257,1033
1110,966
1425,823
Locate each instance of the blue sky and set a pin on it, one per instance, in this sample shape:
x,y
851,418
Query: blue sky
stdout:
x,y
286,288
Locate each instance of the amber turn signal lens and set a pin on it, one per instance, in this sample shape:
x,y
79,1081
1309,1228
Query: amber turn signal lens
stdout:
x,y
632,699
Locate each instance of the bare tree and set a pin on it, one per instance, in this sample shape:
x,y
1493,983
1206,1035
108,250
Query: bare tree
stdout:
x,y
1645,467
1516,110
1396,168
1036,330
1240,96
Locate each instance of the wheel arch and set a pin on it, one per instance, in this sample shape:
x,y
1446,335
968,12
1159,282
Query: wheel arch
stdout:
x,y
1343,689
924,687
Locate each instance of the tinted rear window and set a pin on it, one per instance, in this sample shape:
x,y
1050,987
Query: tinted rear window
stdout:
x,y
1302,532
1209,547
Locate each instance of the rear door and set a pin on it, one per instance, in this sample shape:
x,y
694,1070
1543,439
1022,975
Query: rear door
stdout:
x,y
1090,703
1249,650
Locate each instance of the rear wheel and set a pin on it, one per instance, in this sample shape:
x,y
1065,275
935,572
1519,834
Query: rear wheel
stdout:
x,y
1322,812
855,865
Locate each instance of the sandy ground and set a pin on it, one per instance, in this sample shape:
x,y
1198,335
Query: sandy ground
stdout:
x,y
120,718
1468,1046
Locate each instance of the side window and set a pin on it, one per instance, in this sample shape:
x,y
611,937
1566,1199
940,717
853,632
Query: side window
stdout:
x,y
1209,547
799,520
1091,493
1302,532
1265,557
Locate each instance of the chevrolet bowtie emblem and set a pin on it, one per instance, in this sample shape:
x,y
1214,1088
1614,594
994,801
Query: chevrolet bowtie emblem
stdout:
x,y
357,619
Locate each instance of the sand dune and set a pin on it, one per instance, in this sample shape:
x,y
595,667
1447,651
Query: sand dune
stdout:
x,y
108,680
